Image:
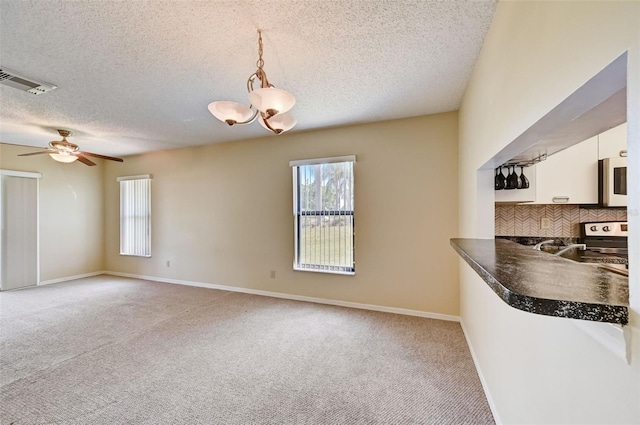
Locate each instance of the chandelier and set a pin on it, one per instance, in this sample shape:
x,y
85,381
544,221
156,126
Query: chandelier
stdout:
x,y
271,104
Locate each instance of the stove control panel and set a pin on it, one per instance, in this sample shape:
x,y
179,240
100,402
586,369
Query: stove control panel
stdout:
x,y
610,228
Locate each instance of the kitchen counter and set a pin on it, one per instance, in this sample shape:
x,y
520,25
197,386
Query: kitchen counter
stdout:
x,y
540,283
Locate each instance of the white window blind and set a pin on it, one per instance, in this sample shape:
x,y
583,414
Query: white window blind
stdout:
x,y
135,215
323,209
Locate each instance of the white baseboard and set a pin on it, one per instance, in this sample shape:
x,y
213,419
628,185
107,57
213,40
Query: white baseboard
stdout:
x,y
66,278
361,306
485,387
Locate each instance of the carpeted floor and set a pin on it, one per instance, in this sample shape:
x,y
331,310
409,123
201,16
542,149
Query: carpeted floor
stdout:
x,y
107,350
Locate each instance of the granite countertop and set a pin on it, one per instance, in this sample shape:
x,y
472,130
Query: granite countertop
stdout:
x,y
540,283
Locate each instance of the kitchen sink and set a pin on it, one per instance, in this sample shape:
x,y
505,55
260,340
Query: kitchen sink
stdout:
x,y
615,268
612,263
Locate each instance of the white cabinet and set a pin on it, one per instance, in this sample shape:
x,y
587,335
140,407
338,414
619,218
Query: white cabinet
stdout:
x,y
611,142
569,176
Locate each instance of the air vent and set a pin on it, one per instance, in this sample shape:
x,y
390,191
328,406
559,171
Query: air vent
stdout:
x,y
13,79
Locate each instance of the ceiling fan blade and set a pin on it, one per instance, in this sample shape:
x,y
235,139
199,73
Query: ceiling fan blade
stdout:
x,y
111,158
85,161
38,153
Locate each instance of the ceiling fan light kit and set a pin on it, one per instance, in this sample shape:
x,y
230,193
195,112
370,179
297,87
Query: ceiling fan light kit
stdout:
x,y
67,152
271,104
63,157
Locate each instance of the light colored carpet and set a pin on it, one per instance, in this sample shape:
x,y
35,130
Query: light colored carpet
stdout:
x,y
107,350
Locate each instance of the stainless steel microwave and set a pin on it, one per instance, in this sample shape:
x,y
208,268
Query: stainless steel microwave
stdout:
x,y
612,182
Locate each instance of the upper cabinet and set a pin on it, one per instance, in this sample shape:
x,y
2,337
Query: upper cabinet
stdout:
x,y
611,142
570,176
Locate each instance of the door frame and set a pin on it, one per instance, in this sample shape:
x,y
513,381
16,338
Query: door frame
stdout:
x,y
30,175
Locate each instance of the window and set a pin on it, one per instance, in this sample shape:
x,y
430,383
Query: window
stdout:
x,y
323,214
135,215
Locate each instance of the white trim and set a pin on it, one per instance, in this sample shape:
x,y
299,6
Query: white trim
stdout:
x,y
37,227
314,161
372,307
66,278
14,173
319,263
138,177
485,387
303,269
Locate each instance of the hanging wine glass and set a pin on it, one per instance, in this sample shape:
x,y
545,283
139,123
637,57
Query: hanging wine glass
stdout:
x,y
524,181
512,178
504,177
499,180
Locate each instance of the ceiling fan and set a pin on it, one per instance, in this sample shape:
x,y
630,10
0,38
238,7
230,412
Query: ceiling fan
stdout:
x,y
64,151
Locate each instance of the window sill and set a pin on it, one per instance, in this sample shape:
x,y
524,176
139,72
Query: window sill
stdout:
x,y
299,269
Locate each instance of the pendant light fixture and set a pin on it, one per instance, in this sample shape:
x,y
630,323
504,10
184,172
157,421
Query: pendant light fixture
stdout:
x,y
271,104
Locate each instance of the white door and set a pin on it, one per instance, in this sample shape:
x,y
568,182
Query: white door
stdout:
x,y
19,225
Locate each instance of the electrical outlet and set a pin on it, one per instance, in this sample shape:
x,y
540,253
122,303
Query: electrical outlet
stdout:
x,y
273,274
545,223
168,263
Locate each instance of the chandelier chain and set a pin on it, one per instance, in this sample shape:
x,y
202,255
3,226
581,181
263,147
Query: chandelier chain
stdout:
x,y
260,62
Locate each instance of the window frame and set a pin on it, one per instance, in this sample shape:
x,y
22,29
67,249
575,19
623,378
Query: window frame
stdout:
x,y
298,213
146,203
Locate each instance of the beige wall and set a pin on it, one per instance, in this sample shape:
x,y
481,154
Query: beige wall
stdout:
x,y
222,214
541,369
71,212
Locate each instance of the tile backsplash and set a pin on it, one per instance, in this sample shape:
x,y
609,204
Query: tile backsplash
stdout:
x,y
564,220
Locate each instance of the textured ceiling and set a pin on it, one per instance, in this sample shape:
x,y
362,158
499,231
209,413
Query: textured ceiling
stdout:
x,y
137,76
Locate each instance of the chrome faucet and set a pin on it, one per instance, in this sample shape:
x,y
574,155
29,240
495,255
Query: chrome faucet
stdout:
x,y
538,246
580,246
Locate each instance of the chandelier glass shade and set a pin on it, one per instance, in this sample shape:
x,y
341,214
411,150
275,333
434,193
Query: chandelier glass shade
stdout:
x,y
230,112
267,103
279,123
272,101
